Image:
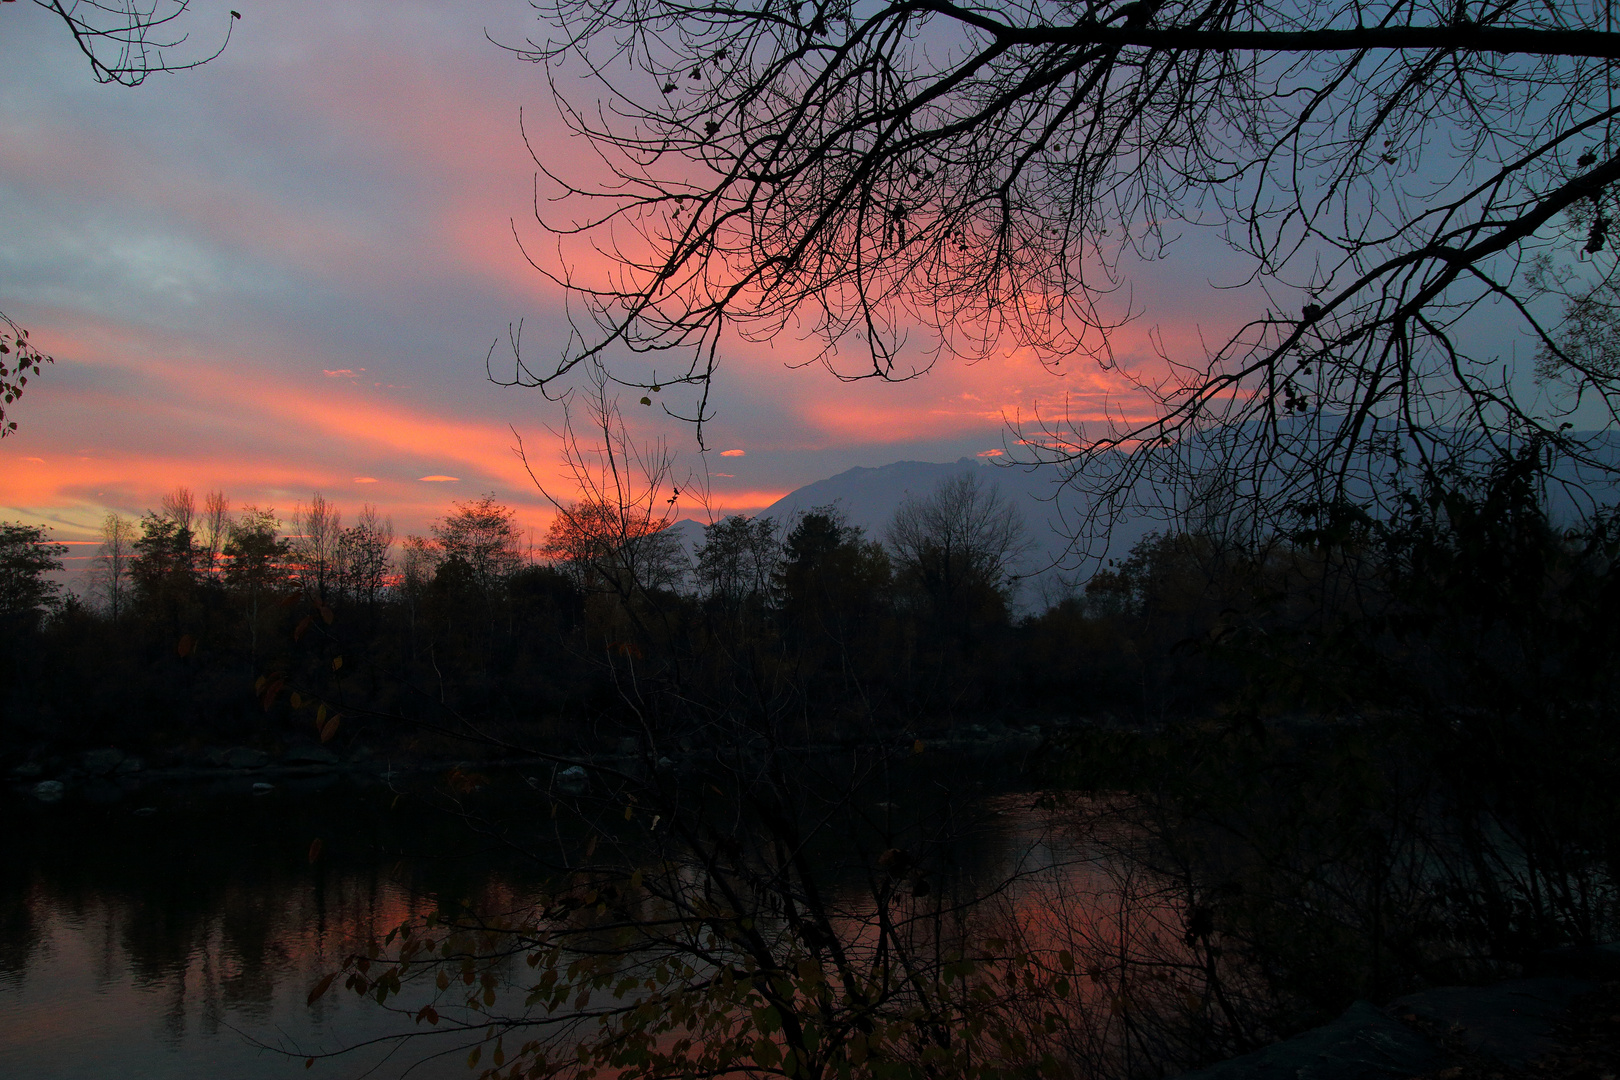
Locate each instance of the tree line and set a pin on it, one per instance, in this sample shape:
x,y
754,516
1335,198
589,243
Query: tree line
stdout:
x,y
189,611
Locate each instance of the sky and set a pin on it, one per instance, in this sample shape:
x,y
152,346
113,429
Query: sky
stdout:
x,y
281,273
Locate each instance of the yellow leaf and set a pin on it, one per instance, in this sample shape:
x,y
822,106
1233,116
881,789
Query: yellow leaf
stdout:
x,y
443,981
297,700
320,714
330,728
337,662
917,747
629,812
472,1058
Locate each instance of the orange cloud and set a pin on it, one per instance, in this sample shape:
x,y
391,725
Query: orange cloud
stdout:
x,y
733,453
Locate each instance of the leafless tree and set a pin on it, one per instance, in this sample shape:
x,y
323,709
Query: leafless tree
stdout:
x,y
110,571
180,507
363,555
962,537
318,529
615,537
215,529
900,181
127,40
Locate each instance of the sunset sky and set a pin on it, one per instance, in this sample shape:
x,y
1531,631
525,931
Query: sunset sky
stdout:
x,y
280,273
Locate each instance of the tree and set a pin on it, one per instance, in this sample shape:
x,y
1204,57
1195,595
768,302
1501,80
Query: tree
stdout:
x,y
164,567
319,527
257,563
615,537
831,579
916,179
112,564
26,557
738,558
180,507
215,529
480,540
127,40
959,546
363,558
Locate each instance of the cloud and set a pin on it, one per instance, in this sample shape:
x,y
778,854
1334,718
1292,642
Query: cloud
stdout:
x,y
992,453
436,479
733,453
339,373
365,479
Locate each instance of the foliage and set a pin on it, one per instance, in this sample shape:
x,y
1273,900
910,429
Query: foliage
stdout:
x,y
19,359
480,539
26,557
958,547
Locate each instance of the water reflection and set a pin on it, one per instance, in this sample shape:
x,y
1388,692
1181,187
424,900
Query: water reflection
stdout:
x,y
183,942
168,945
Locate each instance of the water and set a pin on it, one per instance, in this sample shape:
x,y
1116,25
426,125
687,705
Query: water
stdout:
x,y
183,942
176,933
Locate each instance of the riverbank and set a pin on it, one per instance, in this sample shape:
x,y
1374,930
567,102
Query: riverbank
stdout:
x,y
108,774
1561,1020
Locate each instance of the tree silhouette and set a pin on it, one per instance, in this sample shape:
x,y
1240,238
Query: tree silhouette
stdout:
x,y
911,180
127,40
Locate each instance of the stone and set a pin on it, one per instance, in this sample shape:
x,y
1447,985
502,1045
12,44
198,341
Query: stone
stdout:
x,y
28,770
262,788
309,755
245,757
102,762
1579,962
573,781
1512,1022
101,790
1362,1044
129,767
50,790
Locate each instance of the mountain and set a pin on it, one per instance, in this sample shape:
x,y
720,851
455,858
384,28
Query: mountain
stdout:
x,y
868,498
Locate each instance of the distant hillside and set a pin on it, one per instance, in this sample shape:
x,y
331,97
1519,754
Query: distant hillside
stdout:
x,y
868,497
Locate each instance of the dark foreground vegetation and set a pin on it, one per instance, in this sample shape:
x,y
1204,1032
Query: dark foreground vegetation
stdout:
x,y
1373,754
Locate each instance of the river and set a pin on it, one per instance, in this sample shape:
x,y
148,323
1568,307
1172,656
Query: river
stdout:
x,y
176,931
